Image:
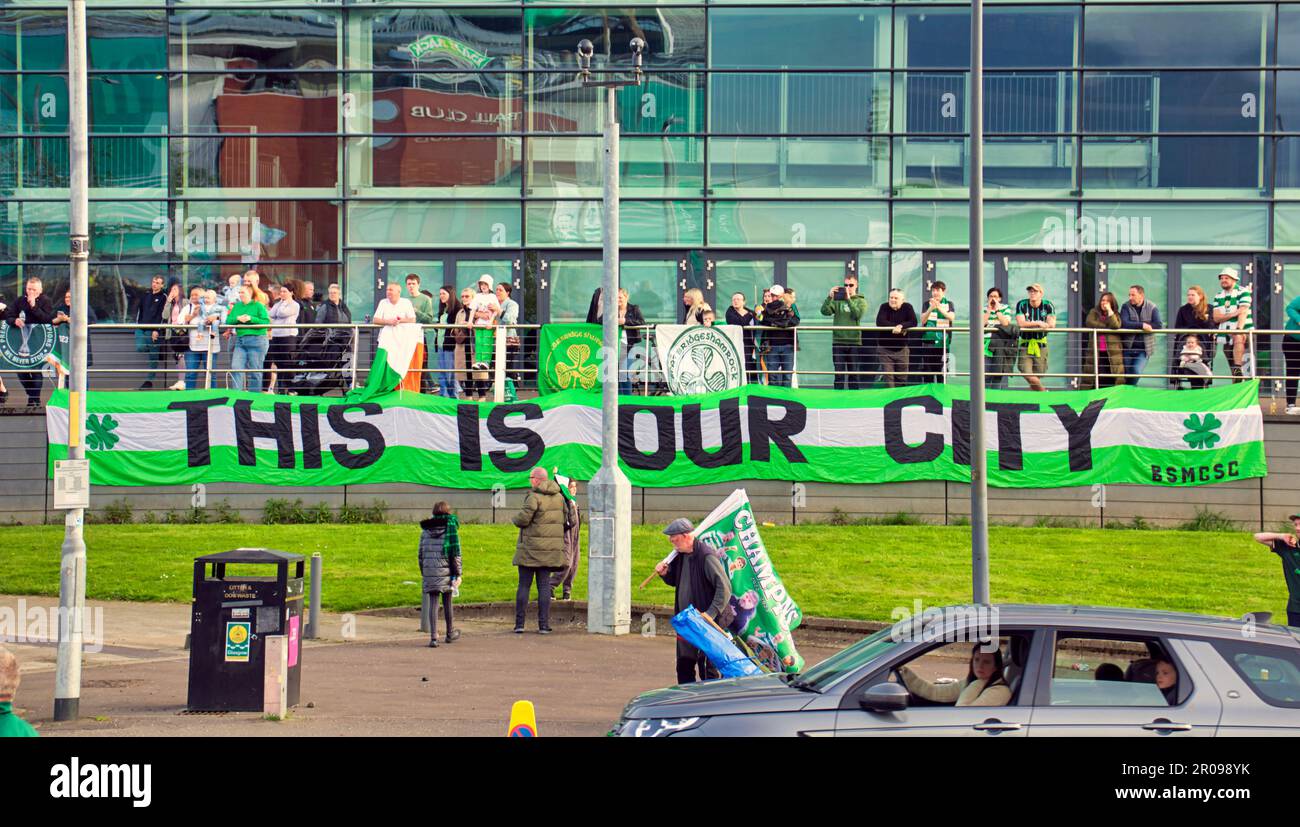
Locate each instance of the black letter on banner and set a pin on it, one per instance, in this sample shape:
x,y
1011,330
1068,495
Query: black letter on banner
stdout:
x,y
900,451
374,438
309,416
197,447
665,449
471,456
1079,426
763,430
731,451
961,432
502,432
1010,448
247,431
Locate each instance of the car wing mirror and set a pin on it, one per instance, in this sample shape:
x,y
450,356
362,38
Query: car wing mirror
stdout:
x,y
884,697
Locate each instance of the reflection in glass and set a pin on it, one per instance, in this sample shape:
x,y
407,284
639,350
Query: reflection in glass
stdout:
x,y
255,162
1153,165
247,103
1194,35
426,39
800,167
1171,101
674,37
798,104
845,38
213,39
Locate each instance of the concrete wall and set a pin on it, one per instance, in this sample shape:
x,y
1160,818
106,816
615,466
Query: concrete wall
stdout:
x,y
25,494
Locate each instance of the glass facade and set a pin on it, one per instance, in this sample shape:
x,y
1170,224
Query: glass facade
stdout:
x,y
769,141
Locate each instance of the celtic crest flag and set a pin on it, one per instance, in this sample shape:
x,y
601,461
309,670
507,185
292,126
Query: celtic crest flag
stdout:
x,y
568,358
698,359
765,611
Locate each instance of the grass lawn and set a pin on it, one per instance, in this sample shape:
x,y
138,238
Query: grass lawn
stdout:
x,y
860,572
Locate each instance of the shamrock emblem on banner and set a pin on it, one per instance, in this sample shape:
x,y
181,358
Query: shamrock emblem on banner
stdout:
x,y
1201,432
699,379
99,432
578,373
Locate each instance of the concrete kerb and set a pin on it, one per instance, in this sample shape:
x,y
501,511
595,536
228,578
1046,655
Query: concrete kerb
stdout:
x,y
820,630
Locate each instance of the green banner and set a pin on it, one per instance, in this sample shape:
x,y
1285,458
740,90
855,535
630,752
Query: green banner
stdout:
x,y
1122,434
765,611
569,358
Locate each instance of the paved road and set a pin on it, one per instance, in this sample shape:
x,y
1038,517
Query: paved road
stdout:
x,y
385,681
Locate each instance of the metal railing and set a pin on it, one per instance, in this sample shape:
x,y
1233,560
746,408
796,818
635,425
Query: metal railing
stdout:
x,y
326,359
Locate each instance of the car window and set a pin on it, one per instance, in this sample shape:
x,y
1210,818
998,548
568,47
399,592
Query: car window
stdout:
x,y
1104,671
847,661
938,675
1273,672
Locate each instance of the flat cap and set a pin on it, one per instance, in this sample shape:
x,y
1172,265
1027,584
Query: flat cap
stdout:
x,y
681,525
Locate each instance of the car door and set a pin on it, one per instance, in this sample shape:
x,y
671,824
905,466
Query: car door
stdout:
x,y
1073,698
1011,721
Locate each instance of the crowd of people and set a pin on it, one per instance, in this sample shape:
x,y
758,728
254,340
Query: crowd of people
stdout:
x,y
256,322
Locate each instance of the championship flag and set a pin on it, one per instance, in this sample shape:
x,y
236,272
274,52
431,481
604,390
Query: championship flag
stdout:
x,y
765,612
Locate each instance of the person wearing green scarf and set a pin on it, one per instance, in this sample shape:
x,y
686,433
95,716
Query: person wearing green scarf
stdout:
x,y
440,567
1035,317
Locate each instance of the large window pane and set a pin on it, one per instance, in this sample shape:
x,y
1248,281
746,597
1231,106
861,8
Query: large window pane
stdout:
x,y
798,104
299,230
126,40
641,223
674,37
1172,101
1192,35
1014,102
424,223
574,167
665,103
211,39
260,102
1192,226
799,38
255,162
800,167
425,39
1023,37
1161,166
794,225
39,37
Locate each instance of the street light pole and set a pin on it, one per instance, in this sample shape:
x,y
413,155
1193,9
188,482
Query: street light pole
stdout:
x,y
72,567
979,492
609,568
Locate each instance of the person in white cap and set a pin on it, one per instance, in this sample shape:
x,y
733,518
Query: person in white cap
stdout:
x,y
485,298
1232,311
780,357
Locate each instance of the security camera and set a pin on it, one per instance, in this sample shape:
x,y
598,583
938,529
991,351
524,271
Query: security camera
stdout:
x,y
586,49
637,45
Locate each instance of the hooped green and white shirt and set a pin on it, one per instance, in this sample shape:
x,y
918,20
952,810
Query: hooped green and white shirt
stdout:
x,y
1239,297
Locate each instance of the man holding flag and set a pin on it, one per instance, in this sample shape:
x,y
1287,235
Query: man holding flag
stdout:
x,y
400,344
698,572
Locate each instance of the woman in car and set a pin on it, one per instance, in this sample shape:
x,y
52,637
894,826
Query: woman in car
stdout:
x,y
984,685
1167,680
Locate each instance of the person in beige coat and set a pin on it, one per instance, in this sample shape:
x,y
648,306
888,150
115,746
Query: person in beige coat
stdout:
x,y
540,549
984,685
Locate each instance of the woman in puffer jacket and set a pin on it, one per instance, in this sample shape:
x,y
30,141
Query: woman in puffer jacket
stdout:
x,y
440,566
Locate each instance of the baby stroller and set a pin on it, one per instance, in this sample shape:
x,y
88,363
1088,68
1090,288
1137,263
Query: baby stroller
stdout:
x,y
324,362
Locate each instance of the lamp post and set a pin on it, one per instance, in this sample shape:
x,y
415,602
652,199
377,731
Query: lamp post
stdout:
x,y
72,565
979,491
609,550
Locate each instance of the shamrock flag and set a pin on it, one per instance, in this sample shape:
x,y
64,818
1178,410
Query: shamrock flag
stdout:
x,y
569,358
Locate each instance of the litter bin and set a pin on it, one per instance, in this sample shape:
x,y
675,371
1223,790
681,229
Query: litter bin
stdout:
x,y
231,617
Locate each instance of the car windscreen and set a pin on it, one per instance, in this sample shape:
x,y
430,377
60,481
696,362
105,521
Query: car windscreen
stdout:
x,y
848,661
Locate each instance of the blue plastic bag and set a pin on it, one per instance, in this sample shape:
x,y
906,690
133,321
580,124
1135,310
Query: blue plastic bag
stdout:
x,y
716,646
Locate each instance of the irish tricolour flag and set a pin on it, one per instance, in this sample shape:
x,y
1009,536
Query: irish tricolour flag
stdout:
x,y
393,356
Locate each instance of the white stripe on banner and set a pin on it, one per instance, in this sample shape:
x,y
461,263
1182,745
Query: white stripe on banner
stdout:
x,y
580,424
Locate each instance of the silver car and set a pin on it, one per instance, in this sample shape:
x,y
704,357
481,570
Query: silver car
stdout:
x,y
1070,671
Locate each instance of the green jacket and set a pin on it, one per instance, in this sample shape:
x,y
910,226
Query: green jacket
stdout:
x,y
847,313
541,528
256,312
11,726
1293,317
426,312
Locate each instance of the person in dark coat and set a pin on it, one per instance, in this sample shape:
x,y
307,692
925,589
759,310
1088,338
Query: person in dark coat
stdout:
x,y
440,566
540,549
34,307
698,572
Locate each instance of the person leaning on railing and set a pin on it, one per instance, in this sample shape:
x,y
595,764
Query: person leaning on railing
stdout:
x,y
1195,315
1035,316
249,353
1291,350
1103,353
999,340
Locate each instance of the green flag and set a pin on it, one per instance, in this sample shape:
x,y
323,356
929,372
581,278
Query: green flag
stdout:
x,y
568,358
765,611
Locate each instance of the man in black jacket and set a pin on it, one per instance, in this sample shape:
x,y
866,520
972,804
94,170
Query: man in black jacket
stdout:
x,y
32,308
699,573
780,356
892,344
150,311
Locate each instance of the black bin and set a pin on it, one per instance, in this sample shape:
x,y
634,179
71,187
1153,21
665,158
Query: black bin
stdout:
x,y
230,620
